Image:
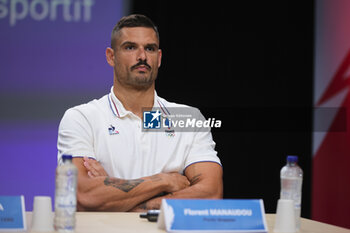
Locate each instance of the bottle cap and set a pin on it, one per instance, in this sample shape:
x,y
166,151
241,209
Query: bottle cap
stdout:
x,y
292,158
66,157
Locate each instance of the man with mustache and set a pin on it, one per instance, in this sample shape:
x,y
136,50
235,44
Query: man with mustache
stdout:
x,y
121,167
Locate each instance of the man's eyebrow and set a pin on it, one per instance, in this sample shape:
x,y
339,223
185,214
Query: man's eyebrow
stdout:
x,y
155,45
152,45
128,43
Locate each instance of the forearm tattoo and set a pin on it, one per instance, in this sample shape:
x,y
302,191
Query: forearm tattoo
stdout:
x,y
124,185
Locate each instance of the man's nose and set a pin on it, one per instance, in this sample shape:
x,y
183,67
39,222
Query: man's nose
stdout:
x,y
141,55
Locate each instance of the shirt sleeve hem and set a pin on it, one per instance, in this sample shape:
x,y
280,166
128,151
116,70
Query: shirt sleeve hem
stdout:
x,y
202,161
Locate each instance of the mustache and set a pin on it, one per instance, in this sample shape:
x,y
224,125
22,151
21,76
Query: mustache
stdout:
x,y
140,63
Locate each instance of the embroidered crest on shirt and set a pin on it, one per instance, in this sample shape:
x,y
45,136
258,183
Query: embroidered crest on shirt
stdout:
x,y
112,130
169,131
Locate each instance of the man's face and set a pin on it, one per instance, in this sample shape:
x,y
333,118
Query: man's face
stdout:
x,y
137,57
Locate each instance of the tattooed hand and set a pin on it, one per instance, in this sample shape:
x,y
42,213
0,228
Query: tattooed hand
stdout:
x,y
94,168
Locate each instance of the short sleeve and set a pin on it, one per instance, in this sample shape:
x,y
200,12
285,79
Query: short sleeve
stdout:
x,y
202,148
75,135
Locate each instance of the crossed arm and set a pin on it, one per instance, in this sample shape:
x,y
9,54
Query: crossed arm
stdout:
x,y
205,182
98,191
104,193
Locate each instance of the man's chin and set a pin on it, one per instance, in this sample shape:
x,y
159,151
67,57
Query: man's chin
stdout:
x,y
142,84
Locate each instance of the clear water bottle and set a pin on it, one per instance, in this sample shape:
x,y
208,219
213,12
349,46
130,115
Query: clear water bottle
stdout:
x,y
65,195
291,182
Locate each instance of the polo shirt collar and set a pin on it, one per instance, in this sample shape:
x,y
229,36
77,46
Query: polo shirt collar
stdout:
x,y
158,103
119,110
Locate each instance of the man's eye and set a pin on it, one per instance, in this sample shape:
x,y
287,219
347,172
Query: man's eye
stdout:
x,y
150,49
130,47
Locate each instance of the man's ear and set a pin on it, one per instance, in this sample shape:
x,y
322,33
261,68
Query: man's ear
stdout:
x,y
110,56
159,57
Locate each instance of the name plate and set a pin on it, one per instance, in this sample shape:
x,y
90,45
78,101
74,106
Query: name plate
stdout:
x,y
226,215
12,213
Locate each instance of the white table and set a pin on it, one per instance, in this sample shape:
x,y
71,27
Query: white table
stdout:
x,y
105,222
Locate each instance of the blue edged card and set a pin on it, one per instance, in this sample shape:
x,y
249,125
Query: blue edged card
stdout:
x,y
225,215
12,213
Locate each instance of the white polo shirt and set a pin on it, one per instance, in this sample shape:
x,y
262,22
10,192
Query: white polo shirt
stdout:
x,y
104,130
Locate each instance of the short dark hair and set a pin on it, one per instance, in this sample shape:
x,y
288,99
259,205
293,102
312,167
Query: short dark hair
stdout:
x,y
135,20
